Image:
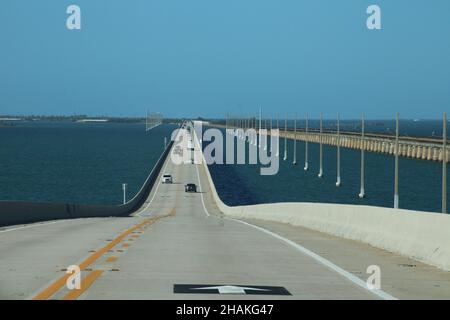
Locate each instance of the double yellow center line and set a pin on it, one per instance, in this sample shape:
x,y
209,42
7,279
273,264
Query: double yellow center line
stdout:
x,y
88,280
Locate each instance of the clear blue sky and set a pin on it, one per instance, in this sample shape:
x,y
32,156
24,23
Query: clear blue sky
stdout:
x,y
209,57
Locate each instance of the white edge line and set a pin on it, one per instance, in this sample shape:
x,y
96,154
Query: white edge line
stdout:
x,y
37,224
198,174
40,224
201,191
378,292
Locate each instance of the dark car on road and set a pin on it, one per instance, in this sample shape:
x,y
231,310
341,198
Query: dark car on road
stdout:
x,y
190,187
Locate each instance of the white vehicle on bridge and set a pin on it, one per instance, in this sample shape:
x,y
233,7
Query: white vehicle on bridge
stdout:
x,y
166,178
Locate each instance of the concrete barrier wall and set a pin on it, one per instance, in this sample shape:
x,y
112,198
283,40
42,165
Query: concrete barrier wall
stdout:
x,y
21,212
424,236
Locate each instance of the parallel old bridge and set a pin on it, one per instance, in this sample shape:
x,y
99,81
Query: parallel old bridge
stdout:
x,y
423,148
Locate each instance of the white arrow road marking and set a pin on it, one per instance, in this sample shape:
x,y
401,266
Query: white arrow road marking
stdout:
x,y
230,289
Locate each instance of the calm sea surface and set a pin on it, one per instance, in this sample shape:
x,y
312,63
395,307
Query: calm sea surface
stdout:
x,y
76,162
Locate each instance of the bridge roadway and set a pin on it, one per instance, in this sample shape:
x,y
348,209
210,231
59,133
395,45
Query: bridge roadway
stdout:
x,y
182,238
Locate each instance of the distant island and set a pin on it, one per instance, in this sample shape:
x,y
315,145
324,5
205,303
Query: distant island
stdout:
x,y
82,118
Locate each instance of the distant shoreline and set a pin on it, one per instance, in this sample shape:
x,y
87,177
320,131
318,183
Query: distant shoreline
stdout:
x,y
7,120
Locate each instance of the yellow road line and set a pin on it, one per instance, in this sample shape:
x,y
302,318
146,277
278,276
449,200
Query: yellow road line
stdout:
x,y
86,282
59,283
112,259
94,275
52,289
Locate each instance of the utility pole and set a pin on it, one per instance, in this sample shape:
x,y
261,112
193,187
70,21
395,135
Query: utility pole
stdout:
x,y
124,189
295,141
444,163
285,138
320,175
260,121
306,143
362,193
338,142
396,163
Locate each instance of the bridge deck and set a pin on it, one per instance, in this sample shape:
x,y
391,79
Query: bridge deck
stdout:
x,y
181,238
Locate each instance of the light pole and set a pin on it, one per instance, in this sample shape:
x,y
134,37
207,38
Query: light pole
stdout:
x,y
444,163
320,175
295,140
338,142
362,192
260,120
226,123
285,138
124,189
271,132
278,130
266,134
396,163
306,143
146,121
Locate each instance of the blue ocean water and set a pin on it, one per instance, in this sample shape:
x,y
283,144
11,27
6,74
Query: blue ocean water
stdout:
x,y
77,162
419,180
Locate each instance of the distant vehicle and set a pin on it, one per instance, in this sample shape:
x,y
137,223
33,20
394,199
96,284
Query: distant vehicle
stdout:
x,y
166,178
178,150
188,161
190,187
